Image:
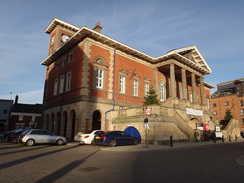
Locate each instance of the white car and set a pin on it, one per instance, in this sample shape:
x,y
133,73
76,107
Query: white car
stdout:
x,y
87,137
38,136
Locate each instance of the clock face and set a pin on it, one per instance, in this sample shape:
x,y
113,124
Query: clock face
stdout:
x,y
64,38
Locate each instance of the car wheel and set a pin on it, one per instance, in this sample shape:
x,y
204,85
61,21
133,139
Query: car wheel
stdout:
x,y
30,142
112,143
92,142
8,138
59,142
136,142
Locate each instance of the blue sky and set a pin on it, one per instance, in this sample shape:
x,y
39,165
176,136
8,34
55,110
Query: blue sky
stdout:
x,y
154,27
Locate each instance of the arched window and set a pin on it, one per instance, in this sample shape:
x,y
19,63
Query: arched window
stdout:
x,y
161,90
100,68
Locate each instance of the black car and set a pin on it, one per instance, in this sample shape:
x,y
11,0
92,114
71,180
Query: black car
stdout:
x,y
114,138
12,136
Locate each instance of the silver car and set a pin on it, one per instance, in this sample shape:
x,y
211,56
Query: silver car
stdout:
x,y
37,136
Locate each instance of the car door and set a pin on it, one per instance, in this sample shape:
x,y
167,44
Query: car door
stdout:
x,y
37,136
119,137
49,137
128,139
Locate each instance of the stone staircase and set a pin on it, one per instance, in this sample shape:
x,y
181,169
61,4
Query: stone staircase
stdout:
x,y
183,126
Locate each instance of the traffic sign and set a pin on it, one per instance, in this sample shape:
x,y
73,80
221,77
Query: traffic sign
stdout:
x,y
148,111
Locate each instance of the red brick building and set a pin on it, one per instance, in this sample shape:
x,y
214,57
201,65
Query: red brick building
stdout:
x,y
25,116
229,96
89,75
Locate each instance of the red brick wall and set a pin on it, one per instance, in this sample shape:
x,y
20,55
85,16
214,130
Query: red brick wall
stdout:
x,y
121,62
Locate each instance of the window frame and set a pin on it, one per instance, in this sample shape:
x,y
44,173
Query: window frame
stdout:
x,y
68,81
99,75
122,84
100,65
61,84
55,89
146,88
161,90
135,84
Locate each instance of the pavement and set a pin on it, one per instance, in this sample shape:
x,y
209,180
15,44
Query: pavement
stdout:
x,y
150,147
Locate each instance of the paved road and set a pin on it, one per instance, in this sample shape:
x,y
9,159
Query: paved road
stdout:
x,y
205,162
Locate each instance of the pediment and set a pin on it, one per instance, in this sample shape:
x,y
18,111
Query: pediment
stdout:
x,y
193,55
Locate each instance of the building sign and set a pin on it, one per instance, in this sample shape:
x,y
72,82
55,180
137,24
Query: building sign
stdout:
x,y
206,127
194,112
217,129
199,126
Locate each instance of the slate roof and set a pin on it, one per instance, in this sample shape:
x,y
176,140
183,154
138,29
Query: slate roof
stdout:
x,y
27,108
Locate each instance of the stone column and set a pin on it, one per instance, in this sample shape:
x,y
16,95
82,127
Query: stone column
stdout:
x,y
172,81
203,100
184,84
194,89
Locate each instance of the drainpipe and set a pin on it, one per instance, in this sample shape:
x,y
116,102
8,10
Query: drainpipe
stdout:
x,y
112,93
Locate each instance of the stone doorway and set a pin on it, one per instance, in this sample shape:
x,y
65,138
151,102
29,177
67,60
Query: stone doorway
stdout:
x,y
96,120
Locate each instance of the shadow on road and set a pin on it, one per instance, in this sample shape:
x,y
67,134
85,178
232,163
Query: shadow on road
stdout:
x,y
65,170
29,158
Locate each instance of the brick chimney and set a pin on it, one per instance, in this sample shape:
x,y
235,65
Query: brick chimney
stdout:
x,y
98,27
16,99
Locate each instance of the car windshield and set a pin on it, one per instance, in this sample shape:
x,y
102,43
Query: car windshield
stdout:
x,y
26,131
89,131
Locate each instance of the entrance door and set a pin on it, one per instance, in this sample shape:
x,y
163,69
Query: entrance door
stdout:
x,y
73,124
96,120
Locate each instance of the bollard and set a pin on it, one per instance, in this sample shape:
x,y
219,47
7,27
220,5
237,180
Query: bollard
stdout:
x,y
229,138
214,139
171,141
223,140
235,138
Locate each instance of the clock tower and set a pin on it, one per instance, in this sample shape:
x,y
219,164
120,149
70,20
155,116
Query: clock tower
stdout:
x,y
60,32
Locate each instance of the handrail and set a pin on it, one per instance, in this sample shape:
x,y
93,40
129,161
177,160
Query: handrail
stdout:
x,y
183,126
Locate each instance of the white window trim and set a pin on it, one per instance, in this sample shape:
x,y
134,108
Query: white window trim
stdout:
x,y
100,65
161,90
135,87
122,84
21,118
99,78
146,88
61,86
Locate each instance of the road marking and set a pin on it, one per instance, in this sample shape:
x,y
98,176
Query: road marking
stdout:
x,y
240,160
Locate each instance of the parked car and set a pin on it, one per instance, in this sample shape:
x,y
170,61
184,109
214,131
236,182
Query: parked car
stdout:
x,y
13,136
39,136
114,138
88,137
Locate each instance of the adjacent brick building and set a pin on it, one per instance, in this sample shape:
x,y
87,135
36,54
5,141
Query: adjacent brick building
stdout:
x,y
93,81
229,96
25,116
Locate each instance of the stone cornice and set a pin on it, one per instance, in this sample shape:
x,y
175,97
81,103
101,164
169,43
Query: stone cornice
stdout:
x,y
197,63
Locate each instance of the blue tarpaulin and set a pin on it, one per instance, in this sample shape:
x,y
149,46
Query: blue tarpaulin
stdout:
x,y
133,131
